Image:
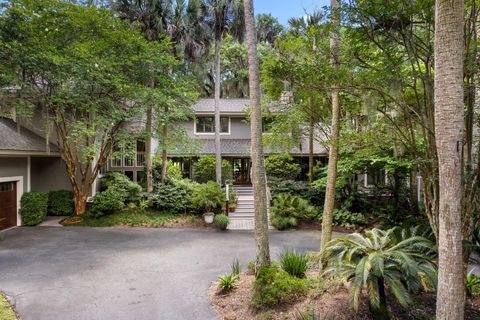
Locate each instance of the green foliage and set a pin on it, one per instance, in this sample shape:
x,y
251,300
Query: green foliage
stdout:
x,y
381,260
227,282
121,182
107,202
204,169
60,203
174,198
236,267
33,208
282,166
251,266
296,264
174,172
287,209
273,287
345,218
315,195
472,285
208,196
144,204
221,221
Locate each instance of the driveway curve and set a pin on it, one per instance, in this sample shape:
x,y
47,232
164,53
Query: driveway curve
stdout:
x,y
80,273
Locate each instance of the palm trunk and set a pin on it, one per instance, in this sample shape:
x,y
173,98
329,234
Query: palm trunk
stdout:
x,y
449,132
164,150
218,151
310,149
380,312
258,166
148,151
329,204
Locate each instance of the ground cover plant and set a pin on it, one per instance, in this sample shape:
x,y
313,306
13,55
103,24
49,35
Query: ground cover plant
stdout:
x,y
6,310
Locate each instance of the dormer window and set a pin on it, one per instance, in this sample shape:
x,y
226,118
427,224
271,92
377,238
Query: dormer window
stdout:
x,y
207,125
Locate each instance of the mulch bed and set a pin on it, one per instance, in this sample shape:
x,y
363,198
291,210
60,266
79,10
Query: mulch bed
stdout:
x,y
330,303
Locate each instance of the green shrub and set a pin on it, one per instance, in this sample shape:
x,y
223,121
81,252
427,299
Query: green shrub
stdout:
x,y
251,266
171,198
296,264
287,209
282,166
204,170
60,203
122,183
274,286
227,282
315,195
345,218
33,208
472,285
107,202
208,196
381,260
221,221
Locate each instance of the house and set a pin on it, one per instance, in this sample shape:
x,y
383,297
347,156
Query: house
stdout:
x,y
27,163
235,139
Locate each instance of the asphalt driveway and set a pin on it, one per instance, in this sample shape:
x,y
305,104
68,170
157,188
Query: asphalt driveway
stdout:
x,y
110,273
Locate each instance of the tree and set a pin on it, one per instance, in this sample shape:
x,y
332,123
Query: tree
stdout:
x,y
449,136
258,166
225,15
185,26
268,28
89,84
329,205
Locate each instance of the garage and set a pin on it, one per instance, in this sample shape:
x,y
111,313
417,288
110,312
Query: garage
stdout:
x,y
8,204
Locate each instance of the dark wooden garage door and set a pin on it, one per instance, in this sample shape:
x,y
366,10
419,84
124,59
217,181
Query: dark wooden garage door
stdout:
x,y
8,204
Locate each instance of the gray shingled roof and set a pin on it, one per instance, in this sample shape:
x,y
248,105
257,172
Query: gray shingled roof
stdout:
x,y
241,147
25,140
227,106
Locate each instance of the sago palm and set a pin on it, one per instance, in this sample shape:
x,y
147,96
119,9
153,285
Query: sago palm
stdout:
x,y
379,261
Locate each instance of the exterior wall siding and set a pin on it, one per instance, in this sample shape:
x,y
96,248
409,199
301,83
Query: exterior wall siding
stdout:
x,y
49,174
15,167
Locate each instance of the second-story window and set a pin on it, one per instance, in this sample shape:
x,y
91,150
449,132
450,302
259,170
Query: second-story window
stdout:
x,y
207,125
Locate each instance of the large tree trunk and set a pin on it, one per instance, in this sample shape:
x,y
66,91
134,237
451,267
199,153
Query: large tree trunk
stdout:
x,y
449,132
80,199
335,133
148,151
218,151
258,166
164,150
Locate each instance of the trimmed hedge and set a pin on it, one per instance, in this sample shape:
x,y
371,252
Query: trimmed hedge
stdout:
x,y
60,203
33,208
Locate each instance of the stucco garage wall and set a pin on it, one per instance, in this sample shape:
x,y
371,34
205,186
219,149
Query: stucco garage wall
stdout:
x,y
15,167
49,174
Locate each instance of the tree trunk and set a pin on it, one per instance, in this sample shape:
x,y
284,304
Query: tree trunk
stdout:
x,y
449,132
148,151
310,149
335,133
218,151
164,150
80,199
380,312
413,191
258,166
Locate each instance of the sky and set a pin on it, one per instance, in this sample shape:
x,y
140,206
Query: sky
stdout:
x,y
286,9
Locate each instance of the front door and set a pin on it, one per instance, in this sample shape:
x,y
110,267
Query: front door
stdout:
x,y
241,170
8,204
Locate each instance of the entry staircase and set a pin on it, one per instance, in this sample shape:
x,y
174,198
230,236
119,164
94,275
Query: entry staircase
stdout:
x,y
243,218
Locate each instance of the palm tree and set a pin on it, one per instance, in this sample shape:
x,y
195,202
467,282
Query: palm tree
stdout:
x,y
329,204
268,28
224,15
396,260
186,27
258,165
449,136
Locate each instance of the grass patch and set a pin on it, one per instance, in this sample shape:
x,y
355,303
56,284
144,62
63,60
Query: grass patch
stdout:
x,y
6,310
137,218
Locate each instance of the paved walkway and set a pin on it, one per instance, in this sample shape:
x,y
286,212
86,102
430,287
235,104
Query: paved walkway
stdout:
x,y
110,273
